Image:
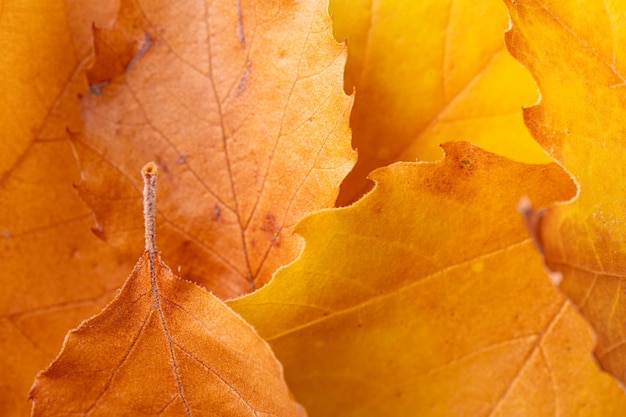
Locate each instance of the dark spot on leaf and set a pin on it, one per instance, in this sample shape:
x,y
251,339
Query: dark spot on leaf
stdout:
x,y
377,208
271,229
99,232
96,88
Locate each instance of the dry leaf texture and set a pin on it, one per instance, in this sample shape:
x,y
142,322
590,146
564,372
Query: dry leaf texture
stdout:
x,y
163,347
53,271
577,56
424,298
428,298
241,105
427,72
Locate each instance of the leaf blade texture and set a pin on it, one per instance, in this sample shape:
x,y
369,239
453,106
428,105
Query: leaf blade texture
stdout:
x,y
163,346
249,124
427,297
429,72
577,122
47,247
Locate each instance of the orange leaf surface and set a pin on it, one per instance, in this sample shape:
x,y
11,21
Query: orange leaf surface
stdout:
x,y
427,72
241,106
164,346
53,271
577,56
427,298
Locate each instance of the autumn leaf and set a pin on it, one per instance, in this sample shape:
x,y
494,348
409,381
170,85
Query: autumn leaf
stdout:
x,y
575,54
53,271
164,346
426,297
427,72
48,250
241,106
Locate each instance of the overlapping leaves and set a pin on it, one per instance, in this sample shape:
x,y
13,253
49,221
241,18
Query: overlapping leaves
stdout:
x,y
577,57
395,309
426,297
243,110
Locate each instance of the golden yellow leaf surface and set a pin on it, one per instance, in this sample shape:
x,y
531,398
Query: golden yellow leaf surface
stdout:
x,y
427,298
576,52
428,72
241,106
46,248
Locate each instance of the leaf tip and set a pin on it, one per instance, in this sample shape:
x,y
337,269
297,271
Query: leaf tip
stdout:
x,y
149,169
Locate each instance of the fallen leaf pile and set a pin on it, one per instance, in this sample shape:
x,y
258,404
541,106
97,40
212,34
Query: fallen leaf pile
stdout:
x,y
403,282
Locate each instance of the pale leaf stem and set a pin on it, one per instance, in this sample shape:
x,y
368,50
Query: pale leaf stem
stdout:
x,y
149,172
